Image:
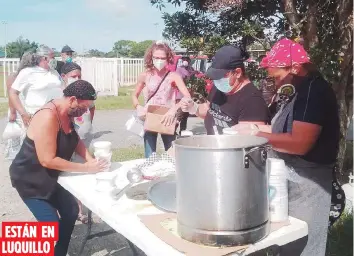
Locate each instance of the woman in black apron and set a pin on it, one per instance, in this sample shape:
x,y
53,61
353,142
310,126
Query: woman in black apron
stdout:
x,y
45,152
305,134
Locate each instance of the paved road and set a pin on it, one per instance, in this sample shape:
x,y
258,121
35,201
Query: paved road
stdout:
x,y
108,125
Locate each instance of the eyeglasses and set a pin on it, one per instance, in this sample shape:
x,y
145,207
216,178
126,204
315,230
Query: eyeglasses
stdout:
x,y
159,58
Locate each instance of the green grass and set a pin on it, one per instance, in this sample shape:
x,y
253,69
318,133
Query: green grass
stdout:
x,y
2,84
126,154
131,153
122,101
340,237
3,109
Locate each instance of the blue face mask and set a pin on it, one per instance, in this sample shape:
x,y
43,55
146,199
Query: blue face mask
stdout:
x,y
68,60
223,85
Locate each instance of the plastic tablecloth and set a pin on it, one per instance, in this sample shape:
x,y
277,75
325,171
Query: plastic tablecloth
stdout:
x,y
122,214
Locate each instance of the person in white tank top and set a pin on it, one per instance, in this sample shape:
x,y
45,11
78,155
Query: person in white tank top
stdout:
x,y
37,85
13,144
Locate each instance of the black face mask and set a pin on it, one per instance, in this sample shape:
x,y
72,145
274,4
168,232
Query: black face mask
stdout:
x,y
292,79
77,112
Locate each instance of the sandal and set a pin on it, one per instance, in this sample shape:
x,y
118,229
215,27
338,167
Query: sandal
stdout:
x,y
82,218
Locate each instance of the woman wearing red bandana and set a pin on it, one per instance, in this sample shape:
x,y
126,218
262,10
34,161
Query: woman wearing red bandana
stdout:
x,y
305,134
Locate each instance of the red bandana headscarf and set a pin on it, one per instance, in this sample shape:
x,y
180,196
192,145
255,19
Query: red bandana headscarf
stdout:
x,y
285,53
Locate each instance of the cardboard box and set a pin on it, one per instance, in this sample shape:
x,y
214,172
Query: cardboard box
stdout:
x,y
164,226
153,120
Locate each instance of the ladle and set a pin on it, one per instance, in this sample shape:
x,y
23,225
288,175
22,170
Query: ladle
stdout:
x,y
134,176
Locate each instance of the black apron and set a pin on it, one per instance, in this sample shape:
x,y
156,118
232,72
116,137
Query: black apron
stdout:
x,y
310,196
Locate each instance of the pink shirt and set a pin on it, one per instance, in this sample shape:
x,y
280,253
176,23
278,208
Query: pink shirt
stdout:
x,y
165,96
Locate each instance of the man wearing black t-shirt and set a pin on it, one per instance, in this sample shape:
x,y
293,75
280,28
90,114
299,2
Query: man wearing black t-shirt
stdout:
x,y
233,98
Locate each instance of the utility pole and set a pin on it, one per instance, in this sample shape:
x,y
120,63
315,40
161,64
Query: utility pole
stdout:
x,y
156,24
5,31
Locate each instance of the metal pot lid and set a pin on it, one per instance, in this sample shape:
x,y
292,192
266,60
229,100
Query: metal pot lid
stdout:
x,y
163,195
220,142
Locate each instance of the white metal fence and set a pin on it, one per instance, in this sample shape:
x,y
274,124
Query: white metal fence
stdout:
x,y
105,74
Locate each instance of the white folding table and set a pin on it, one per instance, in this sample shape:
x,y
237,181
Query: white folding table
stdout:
x,y
122,214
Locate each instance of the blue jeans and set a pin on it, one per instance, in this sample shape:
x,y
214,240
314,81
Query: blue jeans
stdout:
x,y
150,141
46,210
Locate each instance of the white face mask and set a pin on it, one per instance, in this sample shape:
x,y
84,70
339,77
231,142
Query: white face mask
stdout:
x,y
159,64
72,79
185,63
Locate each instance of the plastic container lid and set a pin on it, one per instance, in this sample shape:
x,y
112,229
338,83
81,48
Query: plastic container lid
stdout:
x,y
163,195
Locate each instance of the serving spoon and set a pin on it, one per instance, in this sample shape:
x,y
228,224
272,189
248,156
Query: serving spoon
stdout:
x,y
134,176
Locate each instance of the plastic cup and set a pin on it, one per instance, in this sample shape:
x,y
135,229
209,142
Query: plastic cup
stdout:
x,y
105,181
105,146
105,156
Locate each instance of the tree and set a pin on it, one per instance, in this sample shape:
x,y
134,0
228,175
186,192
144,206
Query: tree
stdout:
x,y
95,53
138,50
56,53
111,54
243,27
324,26
122,48
198,45
2,52
127,48
17,48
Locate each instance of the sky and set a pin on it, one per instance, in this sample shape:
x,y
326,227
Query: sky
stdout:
x,y
82,24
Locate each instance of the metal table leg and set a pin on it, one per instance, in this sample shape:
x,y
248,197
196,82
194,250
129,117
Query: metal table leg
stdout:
x,y
89,225
133,248
88,236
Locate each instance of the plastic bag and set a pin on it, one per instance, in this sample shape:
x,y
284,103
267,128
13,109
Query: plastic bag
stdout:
x,y
83,125
12,130
157,166
135,125
13,146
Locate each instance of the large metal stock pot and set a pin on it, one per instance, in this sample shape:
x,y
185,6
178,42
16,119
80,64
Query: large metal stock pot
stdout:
x,y
222,189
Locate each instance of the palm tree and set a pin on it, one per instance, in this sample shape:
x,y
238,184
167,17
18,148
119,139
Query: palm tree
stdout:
x,y
17,48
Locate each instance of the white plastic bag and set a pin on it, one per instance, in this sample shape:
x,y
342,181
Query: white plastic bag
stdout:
x,y
12,148
135,125
12,130
83,125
